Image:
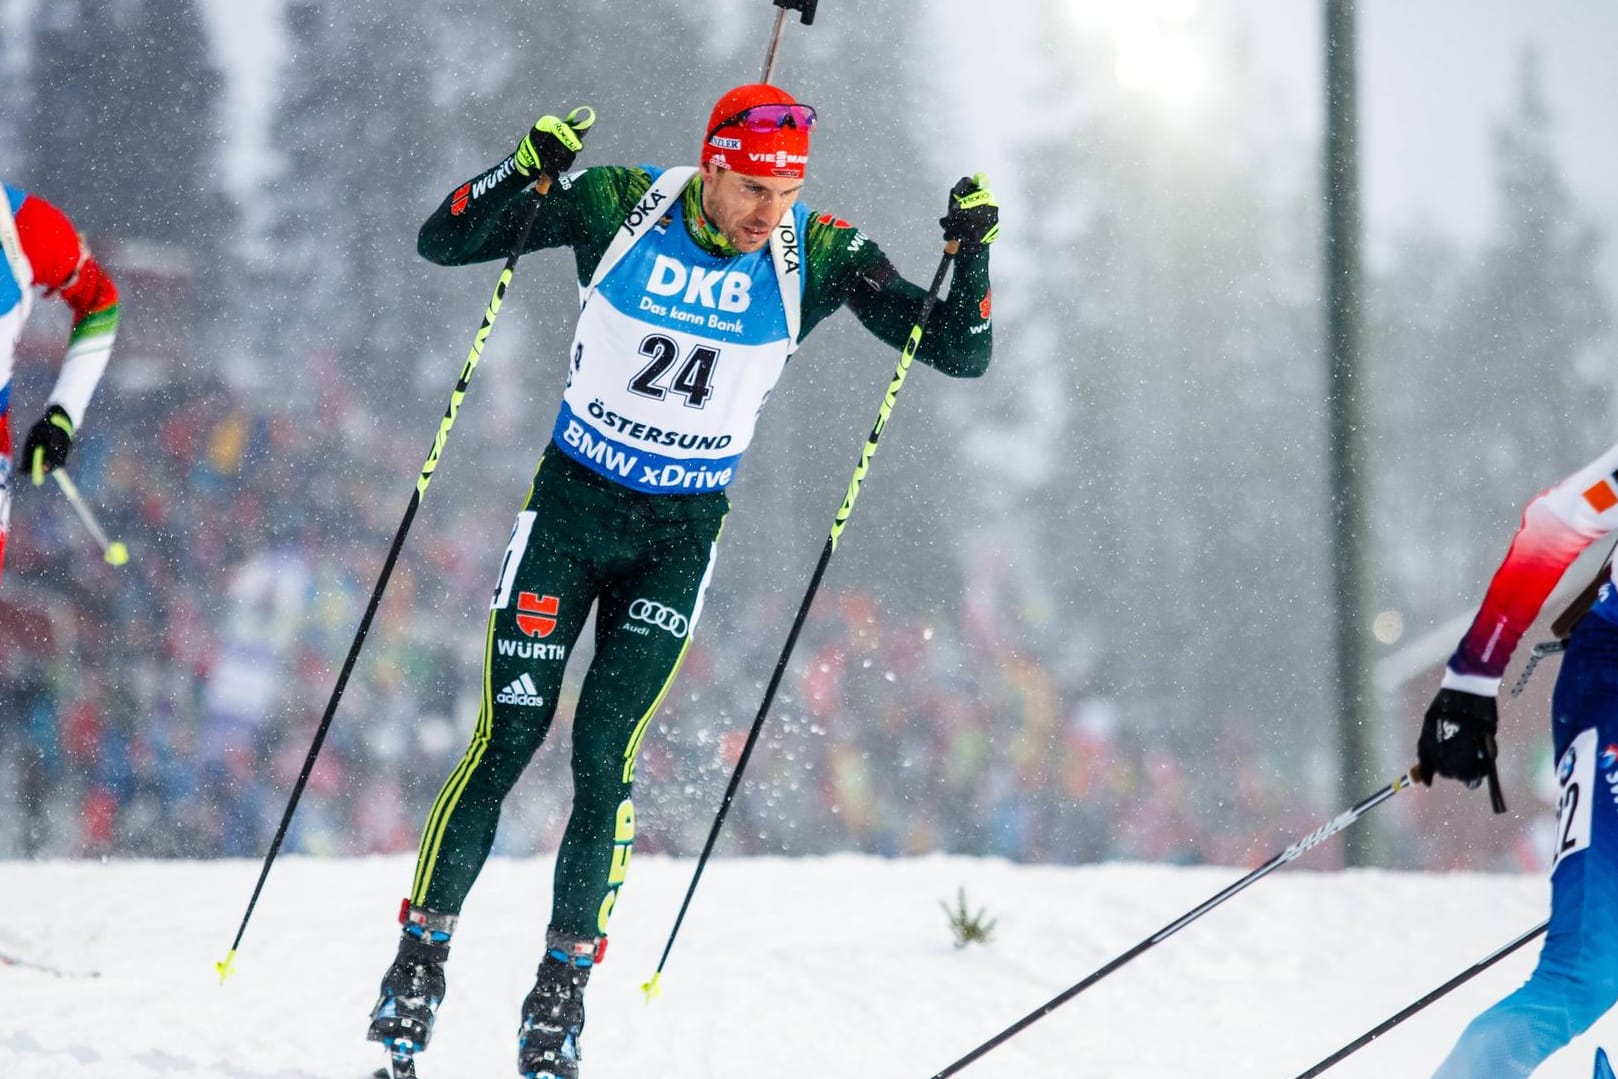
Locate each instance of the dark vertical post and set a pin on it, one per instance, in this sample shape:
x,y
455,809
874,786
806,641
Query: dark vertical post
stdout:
x,y
1346,430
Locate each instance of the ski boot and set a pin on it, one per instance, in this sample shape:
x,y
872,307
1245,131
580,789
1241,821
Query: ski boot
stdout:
x,y
412,988
553,1012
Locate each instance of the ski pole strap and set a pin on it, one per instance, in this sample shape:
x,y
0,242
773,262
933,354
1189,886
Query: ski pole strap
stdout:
x,y
1497,798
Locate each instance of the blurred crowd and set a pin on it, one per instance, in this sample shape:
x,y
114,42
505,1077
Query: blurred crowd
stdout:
x,y
154,709
165,708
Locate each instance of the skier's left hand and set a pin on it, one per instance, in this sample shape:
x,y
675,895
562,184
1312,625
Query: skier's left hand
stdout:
x,y
47,443
974,215
550,146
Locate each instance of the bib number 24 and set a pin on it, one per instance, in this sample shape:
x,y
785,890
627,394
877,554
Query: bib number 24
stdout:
x,y
693,380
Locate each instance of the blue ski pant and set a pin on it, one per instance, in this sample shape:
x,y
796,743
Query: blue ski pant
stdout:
x,y
1576,979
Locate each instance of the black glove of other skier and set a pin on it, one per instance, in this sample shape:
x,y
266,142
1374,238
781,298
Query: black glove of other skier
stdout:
x,y
549,147
974,215
47,443
1457,738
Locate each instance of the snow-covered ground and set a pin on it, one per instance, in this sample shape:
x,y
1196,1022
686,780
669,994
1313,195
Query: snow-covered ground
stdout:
x,y
841,966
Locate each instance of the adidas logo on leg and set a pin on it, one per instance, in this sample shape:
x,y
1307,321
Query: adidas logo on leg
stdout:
x,y
522,692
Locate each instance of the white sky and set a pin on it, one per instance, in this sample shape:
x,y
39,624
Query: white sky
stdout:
x,y
784,969
1438,70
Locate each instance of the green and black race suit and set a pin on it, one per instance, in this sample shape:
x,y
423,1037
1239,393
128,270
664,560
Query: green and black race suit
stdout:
x,y
680,340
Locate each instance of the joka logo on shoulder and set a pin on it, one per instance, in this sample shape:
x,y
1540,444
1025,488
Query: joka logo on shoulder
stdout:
x,y
536,614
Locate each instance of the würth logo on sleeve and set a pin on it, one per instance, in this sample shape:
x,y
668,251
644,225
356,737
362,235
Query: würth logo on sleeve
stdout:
x,y
458,201
536,614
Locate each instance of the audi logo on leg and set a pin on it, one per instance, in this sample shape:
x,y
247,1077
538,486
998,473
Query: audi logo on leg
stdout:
x,y
655,614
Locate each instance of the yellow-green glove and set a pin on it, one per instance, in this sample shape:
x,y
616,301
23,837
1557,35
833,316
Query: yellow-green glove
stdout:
x,y
549,147
974,215
47,443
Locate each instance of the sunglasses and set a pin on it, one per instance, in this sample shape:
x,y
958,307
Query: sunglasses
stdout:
x,y
768,118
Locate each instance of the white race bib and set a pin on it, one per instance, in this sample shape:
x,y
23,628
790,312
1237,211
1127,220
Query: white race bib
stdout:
x,y
1576,775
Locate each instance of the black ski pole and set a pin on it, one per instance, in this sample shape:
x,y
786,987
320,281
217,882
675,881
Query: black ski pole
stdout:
x,y
839,522
1302,846
580,119
806,12
1394,1020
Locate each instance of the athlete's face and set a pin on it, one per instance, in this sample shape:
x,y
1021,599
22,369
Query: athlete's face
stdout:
x,y
745,208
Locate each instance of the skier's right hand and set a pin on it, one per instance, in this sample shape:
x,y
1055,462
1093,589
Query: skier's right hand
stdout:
x,y
549,147
1457,738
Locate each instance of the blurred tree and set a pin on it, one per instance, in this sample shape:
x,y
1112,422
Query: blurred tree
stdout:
x,y
75,106
1540,310
360,137
1494,382
128,140
1154,426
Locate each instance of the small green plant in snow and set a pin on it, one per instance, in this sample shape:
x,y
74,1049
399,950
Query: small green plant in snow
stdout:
x,y
968,927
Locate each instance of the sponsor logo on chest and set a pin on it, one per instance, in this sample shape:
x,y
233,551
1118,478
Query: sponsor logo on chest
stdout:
x,y
722,290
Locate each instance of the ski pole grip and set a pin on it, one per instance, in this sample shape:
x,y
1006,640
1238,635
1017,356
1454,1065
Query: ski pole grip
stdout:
x,y
952,247
805,9
1496,800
